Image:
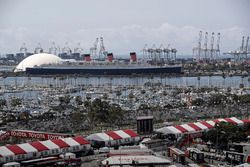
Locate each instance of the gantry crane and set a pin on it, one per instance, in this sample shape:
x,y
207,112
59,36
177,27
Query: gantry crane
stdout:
x,y
93,50
23,49
240,55
102,53
212,47
217,50
78,49
197,50
205,49
38,49
66,49
53,49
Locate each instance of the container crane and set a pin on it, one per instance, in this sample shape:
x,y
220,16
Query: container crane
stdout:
x,y
167,52
240,54
197,50
77,52
150,53
159,53
218,46
153,53
205,49
66,49
102,53
93,50
78,49
23,49
173,51
212,47
38,49
246,48
145,51
242,44
53,49
242,49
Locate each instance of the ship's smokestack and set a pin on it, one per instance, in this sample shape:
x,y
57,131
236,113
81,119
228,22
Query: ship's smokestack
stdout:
x,y
87,57
133,57
110,57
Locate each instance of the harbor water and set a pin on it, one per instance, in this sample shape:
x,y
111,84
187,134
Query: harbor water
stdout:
x,y
203,81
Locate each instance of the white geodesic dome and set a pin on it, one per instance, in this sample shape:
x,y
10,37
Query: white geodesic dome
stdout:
x,y
37,60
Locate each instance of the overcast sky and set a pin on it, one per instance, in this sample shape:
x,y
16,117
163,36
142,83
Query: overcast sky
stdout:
x,y
126,25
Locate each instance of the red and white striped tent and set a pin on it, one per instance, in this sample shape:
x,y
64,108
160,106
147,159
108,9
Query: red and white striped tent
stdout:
x,y
115,137
31,134
37,149
198,126
246,121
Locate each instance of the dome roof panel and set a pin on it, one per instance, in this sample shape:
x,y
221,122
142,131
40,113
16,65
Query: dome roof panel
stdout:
x,y
37,60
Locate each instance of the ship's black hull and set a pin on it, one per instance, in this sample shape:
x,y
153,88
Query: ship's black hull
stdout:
x,y
104,71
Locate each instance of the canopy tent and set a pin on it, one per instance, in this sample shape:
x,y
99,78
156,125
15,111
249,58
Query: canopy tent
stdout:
x,y
123,136
38,146
198,126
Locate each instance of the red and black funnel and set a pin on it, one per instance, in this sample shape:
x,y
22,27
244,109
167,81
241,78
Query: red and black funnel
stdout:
x,y
133,57
87,57
110,57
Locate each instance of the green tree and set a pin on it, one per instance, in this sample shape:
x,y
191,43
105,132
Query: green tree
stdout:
x,y
244,99
3,103
16,102
87,104
78,100
65,99
47,116
77,119
223,133
115,114
101,112
105,96
24,116
88,97
9,118
131,95
118,93
198,102
216,99
143,91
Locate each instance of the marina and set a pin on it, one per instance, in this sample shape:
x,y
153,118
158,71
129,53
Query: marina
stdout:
x,y
203,81
125,83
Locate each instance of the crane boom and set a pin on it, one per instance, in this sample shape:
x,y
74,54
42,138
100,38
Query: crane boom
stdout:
x,y
242,44
218,42
205,41
246,48
212,47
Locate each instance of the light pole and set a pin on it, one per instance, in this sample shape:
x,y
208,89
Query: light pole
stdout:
x,y
216,125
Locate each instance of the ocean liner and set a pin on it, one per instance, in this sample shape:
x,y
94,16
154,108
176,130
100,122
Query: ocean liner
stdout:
x,y
47,64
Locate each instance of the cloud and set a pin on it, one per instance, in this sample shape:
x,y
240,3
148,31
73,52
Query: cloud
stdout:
x,y
120,40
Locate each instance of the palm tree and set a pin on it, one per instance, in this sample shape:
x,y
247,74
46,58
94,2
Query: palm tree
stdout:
x,y
118,94
131,96
15,102
47,115
115,115
65,99
78,100
77,118
3,103
25,117
105,96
